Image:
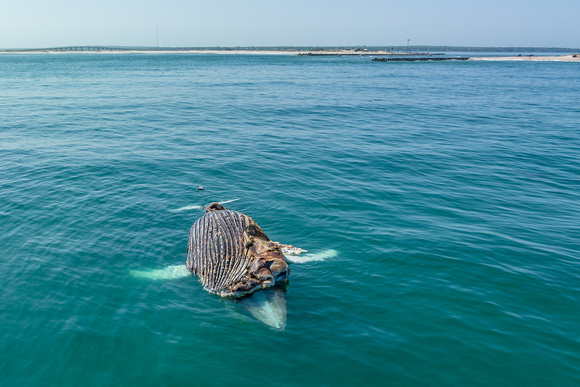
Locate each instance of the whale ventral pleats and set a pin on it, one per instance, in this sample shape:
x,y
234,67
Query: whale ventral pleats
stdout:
x,y
231,254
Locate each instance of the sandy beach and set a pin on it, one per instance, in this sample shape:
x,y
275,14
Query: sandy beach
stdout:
x,y
346,53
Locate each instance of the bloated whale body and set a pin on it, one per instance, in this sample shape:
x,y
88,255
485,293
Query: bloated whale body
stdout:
x,y
234,258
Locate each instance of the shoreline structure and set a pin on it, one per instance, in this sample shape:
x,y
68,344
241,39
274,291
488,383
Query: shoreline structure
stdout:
x,y
382,55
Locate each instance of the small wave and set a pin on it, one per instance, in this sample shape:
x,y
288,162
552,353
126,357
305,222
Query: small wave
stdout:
x,y
170,272
190,207
313,257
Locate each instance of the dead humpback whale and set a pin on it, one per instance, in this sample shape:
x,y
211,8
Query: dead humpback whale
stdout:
x,y
234,258
228,244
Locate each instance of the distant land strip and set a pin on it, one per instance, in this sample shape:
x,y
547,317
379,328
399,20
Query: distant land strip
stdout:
x,y
379,55
420,59
306,50
520,58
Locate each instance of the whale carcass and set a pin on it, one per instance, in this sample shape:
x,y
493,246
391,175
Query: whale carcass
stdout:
x,y
234,258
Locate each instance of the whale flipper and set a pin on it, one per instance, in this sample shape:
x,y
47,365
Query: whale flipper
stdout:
x,y
294,254
170,272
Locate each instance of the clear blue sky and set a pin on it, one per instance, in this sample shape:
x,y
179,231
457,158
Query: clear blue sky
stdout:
x,y
49,23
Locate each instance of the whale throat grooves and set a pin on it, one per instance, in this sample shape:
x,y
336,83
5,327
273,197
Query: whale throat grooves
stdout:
x,y
232,256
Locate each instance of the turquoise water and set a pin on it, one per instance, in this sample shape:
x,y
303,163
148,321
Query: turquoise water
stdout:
x,y
449,192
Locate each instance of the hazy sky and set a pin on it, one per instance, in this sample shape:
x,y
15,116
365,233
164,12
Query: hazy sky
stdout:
x,y
50,23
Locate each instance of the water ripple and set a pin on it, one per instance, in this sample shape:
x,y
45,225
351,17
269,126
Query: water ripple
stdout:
x,y
442,197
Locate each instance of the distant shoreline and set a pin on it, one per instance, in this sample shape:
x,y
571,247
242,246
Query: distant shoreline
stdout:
x,y
105,51
296,52
332,52
513,50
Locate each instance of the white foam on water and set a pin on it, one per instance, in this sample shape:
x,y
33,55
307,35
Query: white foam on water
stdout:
x,y
170,272
190,207
312,257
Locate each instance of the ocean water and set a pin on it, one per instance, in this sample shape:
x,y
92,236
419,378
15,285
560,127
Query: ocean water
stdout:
x,y
440,203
